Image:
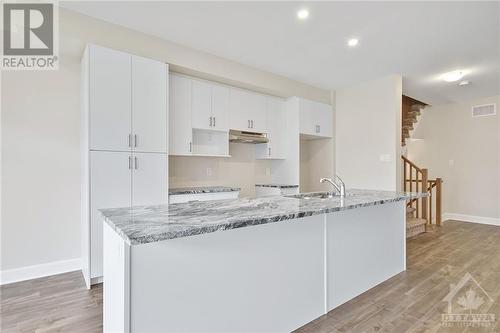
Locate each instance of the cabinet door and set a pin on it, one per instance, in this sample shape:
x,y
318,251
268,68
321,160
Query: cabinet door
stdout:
x,y
201,110
257,113
220,107
149,179
239,117
149,105
109,99
110,187
325,119
180,130
324,116
307,116
276,123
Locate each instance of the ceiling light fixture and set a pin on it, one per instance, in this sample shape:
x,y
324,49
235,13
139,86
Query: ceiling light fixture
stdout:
x,y
464,83
452,76
303,14
352,42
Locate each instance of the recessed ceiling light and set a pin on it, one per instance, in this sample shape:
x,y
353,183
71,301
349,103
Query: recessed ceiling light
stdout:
x,y
303,14
452,76
352,42
464,83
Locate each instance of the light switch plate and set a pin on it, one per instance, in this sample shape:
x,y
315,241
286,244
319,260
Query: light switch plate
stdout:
x,y
384,158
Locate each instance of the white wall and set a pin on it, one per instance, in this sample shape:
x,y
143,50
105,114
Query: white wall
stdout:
x,y
367,134
40,166
40,136
465,152
316,162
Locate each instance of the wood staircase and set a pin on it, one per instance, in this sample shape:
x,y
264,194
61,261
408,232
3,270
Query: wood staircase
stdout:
x,y
411,110
420,212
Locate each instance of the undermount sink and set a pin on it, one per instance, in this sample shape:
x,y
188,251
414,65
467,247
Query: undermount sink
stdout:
x,y
317,195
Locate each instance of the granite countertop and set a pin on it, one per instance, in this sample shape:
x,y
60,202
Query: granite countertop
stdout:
x,y
147,224
202,189
277,185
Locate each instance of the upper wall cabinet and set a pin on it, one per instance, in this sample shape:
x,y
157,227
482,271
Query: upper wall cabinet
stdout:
x,y
127,102
149,105
276,131
316,119
210,105
109,99
248,111
198,117
180,128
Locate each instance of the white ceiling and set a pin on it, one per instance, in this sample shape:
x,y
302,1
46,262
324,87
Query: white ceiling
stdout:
x,y
420,40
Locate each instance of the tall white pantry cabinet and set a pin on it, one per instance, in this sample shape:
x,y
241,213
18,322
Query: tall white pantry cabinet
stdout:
x,y
124,141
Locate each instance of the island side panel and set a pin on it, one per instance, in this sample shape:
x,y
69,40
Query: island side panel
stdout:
x,y
365,247
116,265
265,278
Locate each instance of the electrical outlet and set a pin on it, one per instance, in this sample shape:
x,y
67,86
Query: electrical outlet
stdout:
x,y
451,163
209,171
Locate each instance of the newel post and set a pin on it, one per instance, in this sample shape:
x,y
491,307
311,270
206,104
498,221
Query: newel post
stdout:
x,y
439,181
424,189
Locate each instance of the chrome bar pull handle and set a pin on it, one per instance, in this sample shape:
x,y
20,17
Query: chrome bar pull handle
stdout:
x,y
135,140
130,140
214,121
130,162
136,165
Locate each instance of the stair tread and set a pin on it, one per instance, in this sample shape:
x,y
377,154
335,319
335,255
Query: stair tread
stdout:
x,y
414,221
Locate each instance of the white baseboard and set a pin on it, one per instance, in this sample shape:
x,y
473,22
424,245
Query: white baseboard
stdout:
x,y
471,218
37,271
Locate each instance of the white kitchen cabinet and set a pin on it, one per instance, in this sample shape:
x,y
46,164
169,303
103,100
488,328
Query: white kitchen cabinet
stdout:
x,y
276,122
180,123
109,94
149,105
149,179
248,111
124,127
127,94
220,107
316,119
201,108
110,187
324,116
210,105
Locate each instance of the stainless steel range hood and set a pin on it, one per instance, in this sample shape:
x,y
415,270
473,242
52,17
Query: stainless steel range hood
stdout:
x,y
247,137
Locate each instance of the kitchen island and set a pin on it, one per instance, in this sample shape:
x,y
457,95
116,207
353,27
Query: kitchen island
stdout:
x,y
267,264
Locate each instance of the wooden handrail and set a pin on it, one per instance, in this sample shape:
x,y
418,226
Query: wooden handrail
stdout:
x,y
414,176
410,163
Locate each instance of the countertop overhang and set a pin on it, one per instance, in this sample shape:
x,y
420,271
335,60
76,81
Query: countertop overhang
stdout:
x,y
147,224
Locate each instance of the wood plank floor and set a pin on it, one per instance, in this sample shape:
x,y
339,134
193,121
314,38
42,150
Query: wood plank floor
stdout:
x,y
409,302
413,300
